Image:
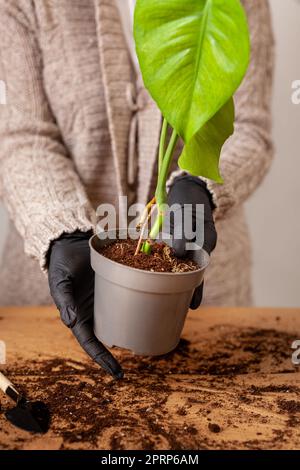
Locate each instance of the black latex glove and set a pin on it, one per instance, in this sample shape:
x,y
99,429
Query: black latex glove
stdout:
x,y
191,190
71,281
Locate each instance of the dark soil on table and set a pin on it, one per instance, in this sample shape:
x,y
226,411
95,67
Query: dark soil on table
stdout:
x,y
161,260
85,403
213,427
289,406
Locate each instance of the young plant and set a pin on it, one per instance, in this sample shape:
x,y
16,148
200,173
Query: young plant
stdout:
x,y
193,55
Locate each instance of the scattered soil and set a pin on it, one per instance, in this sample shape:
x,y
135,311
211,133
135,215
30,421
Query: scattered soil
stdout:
x,y
136,412
293,422
228,371
214,428
162,258
82,409
254,390
290,406
182,411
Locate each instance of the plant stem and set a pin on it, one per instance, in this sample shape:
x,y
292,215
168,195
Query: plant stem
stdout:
x,y
146,248
161,193
162,144
157,225
165,159
146,212
143,229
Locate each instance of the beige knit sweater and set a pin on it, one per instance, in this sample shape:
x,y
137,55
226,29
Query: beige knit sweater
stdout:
x,y
64,138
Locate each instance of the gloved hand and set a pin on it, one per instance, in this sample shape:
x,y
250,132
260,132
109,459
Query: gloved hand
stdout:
x,y
191,190
71,281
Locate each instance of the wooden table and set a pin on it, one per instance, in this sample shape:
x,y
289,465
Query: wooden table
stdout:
x,y
231,384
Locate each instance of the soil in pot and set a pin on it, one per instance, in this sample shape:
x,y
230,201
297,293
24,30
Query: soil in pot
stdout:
x,y
161,260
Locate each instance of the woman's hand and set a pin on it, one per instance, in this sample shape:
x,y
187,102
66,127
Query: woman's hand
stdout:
x,y
71,281
191,190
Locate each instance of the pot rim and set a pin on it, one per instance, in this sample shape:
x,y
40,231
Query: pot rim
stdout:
x,y
124,266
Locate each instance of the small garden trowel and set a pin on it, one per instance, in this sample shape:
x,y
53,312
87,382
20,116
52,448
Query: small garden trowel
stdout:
x,y
30,416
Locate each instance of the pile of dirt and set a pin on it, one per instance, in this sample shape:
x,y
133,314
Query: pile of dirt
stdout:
x,y
86,404
162,258
254,390
213,427
289,406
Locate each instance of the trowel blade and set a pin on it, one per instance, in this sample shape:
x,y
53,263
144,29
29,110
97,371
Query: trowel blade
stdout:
x,y
30,416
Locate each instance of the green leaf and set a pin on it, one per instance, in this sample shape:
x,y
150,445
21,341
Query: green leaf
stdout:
x,y
201,155
193,55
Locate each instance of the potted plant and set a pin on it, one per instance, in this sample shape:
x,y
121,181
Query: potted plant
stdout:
x,y
193,56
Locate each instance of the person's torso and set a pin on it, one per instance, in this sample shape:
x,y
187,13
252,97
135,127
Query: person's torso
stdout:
x,y
73,83
76,91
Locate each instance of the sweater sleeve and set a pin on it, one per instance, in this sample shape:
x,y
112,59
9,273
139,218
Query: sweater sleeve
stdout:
x,y
247,155
38,182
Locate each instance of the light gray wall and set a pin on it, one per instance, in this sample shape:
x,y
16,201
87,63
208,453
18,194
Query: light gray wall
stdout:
x,y
273,212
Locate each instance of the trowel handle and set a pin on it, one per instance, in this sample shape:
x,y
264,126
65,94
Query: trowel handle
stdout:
x,y
7,387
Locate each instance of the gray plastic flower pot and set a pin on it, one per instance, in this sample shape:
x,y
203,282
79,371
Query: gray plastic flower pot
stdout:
x,y
142,311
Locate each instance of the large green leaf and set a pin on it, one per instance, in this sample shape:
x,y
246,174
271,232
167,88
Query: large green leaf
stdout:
x,y
193,55
201,155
